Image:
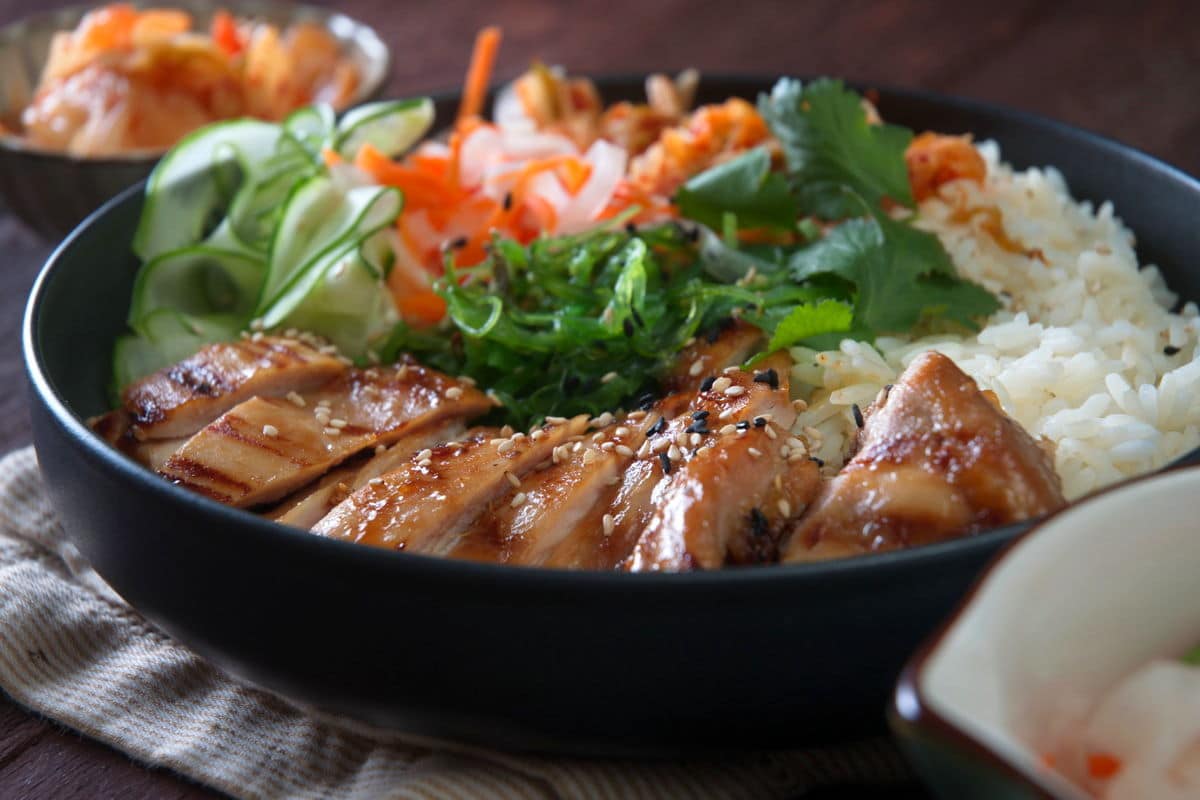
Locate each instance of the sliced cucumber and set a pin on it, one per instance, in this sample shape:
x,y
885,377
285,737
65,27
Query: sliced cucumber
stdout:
x,y
165,337
363,212
391,127
200,280
185,189
302,232
312,127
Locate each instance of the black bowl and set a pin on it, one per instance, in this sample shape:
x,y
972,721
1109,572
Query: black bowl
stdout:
x,y
52,192
517,657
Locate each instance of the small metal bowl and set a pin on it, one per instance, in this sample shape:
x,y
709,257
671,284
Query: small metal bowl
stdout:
x,y
52,192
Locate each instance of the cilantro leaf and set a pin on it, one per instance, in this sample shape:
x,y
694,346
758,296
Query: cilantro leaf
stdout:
x,y
901,275
834,156
745,187
808,320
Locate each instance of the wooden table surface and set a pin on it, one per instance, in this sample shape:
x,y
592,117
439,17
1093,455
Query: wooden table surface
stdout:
x,y
1132,73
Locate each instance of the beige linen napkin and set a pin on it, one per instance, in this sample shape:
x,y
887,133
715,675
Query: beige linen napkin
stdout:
x,y
72,650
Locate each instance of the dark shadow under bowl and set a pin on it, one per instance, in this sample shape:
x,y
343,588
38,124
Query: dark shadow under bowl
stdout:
x,y
514,657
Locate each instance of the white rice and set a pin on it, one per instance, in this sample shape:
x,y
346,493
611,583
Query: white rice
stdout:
x,y
1077,353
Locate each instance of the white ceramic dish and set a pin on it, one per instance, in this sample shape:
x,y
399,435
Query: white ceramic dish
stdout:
x,y
1073,606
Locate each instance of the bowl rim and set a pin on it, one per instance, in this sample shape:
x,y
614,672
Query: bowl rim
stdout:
x,y
328,16
912,705
878,565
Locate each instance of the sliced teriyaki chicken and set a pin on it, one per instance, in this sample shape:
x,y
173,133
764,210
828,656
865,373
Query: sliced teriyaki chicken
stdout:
x,y
564,503
936,458
181,399
733,484
428,504
266,447
306,507
728,345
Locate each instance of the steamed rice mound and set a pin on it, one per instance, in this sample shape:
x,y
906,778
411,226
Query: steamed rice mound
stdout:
x,y
1085,352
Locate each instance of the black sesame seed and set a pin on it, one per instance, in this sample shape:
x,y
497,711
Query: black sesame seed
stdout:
x,y
630,228
758,522
858,417
458,243
770,377
699,426
888,389
657,427
820,462
633,312
700,415
508,201
707,383
1170,350
743,426
627,326
665,460
647,401
760,422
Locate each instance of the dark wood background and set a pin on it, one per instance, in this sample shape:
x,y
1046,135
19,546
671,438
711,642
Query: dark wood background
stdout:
x,y
1127,70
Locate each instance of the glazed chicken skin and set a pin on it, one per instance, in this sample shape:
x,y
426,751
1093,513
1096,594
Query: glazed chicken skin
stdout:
x,y
936,458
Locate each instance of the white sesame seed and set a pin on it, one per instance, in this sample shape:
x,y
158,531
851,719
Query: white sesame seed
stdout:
x,y
518,499
734,391
555,420
606,446
518,436
731,370
270,430
327,349
505,445
674,453
778,483
660,445
598,437
506,431
402,373
726,414
375,481
513,479
785,451
332,431
453,393
558,453
256,324
728,429
624,449
589,456
644,450
771,432
467,379
257,336
799,405
696,368
575,448
695,439
796,455
295,399
754,451
742,431
721,384
291,333
795,443
338,423
681,438
425,462
609,524
634,416
426,453
380,449
621,431
324,403
812,433
785,508
603,420
537,434
609,377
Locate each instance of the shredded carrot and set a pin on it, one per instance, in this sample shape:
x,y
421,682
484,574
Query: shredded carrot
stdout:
x,y
487,43
225,33
1103,766
330,157
421,307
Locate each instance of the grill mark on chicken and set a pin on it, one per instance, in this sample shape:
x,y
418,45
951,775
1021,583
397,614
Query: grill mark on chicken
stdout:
x,y
265,448
936,458
181,399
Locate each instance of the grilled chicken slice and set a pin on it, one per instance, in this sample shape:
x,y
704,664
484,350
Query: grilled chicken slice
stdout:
x,y
726,346
936,459
183,398
306,507
735,477
565,503
266,447
427,505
